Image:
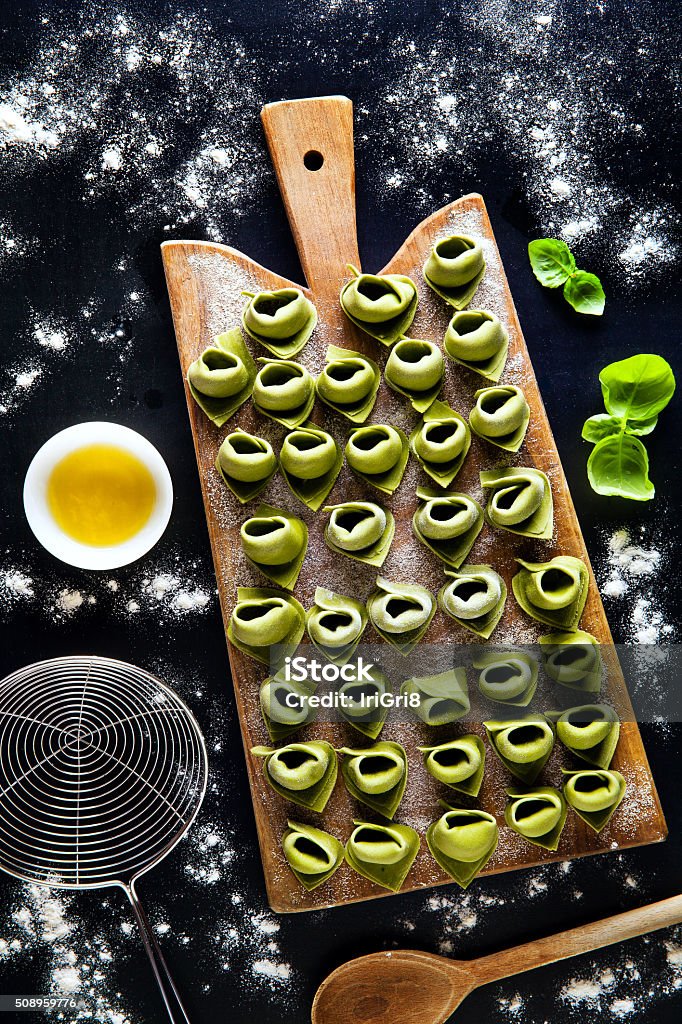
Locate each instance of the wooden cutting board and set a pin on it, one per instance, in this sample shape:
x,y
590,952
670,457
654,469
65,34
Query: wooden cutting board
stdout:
x,y
204,282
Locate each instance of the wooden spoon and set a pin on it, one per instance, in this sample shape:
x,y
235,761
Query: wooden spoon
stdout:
x,y
411,987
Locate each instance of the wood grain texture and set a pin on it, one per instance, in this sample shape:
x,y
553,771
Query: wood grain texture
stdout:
x,y
204,282
411,987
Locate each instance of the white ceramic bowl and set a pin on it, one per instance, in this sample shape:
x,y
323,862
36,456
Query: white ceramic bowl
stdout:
x,y
47,531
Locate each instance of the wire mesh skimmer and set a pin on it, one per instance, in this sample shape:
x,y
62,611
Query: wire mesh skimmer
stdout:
x,y
102,771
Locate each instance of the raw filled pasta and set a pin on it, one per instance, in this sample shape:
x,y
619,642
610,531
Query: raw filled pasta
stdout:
x,y
311,461
378,453
454,269
304,773
594,794
553,592
246,464
312,854
590,731
266,624
275,542
349,383
462,842
573,660
382,853
447,524
476,339
415,369
538,815
501,415
520,501
223,376
362,703
381,305
285,705
443,698
281,320
401,612
523,745
376,776
335,624
459,763
361,530
475,598
441,442
507,677
284,391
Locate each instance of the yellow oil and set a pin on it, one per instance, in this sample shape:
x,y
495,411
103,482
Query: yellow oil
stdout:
x,y
101,495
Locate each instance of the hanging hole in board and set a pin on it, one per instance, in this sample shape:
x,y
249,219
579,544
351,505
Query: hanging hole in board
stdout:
x,y
313,160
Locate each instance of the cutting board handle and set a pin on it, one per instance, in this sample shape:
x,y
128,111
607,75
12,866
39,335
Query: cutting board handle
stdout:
x,y
311,144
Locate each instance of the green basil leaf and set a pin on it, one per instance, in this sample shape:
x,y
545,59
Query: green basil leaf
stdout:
x,y
637,388
619,465
641,427
552,261
600,426
584,292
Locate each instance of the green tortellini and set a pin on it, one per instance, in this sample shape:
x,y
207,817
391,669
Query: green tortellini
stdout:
x,y
441,442
447,524
520,501
312,854
523,745
462,842
378,453
477,340
376,776
382,853
475,598
223,376
284,391
443,698
416,369
304,773
281,320
573,660
360,529
401,612
311,461
455,268
335,624
349,383
381,305
553,592
501,416
507,677
246,463
590,732
459,763
285,705
594,794
362,702
266,624
538,815
275,542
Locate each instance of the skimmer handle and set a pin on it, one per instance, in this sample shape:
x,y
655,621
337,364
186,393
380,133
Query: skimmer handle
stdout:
x,y
171,997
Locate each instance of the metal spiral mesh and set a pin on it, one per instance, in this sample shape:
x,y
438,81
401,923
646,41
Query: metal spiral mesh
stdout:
x,y
102,770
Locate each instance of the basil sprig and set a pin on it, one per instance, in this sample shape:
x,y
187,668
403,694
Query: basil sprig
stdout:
x,y
553,264
635,391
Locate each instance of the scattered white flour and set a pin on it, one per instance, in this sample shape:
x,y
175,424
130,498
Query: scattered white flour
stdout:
x,y
629,576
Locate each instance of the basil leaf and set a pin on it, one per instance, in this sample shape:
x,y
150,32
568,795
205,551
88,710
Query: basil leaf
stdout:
x,y
619,466
637,388
600,426
584,292
552,261
641,427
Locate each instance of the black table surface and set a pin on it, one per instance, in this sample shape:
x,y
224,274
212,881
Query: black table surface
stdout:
x,y
304,50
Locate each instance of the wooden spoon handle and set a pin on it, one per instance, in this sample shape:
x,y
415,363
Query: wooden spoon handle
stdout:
x,y
578,940
320,202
